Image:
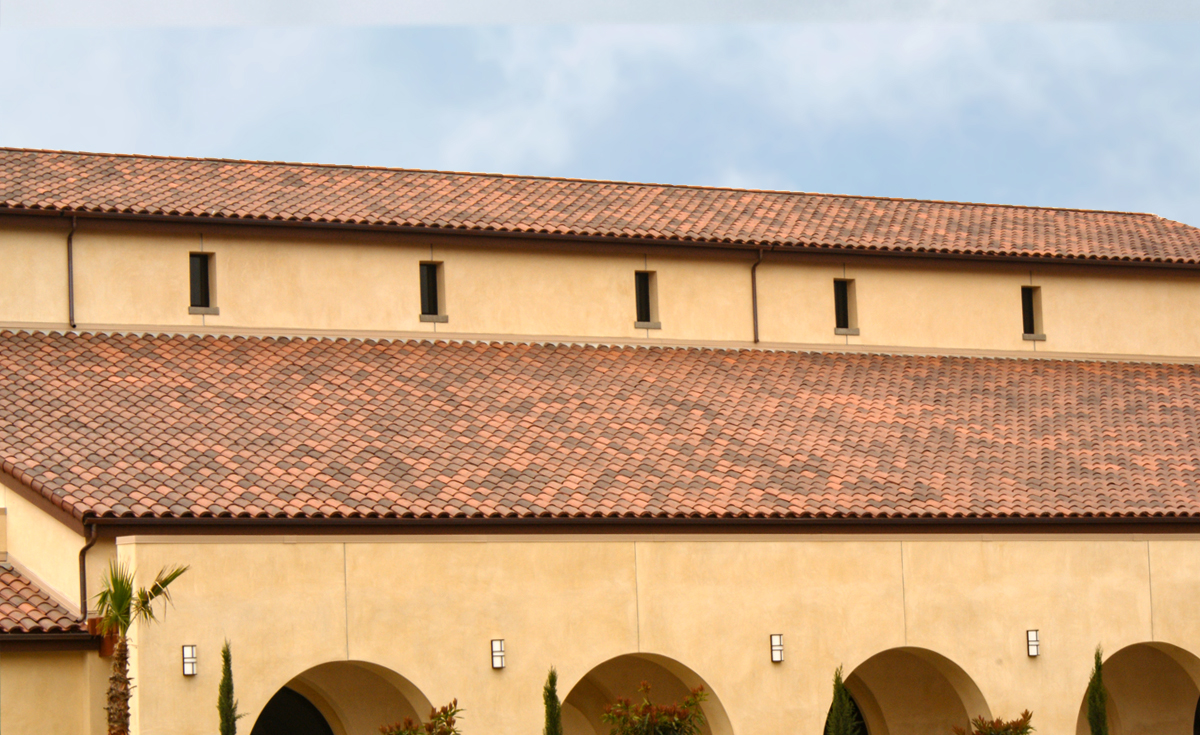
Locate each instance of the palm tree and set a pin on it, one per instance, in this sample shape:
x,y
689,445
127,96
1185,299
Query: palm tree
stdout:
x,y
120,605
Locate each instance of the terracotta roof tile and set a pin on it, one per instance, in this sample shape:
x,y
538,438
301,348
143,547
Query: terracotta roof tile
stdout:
x,y
26,609
135,426
187,187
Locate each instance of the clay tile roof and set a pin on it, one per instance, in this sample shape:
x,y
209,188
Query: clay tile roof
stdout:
x,y
305,193
26,609
144,427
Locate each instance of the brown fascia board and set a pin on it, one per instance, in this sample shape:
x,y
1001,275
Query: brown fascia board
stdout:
x,y
114,527
29,488
48,642
603,242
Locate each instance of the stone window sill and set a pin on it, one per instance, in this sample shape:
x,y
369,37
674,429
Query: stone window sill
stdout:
x,y
210,310
852,331
1033,337
439,318
647,325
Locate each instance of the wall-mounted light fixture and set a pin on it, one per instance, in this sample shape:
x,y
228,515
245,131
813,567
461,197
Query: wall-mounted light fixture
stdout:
x,y
498,653
777,648
189,660
1032,641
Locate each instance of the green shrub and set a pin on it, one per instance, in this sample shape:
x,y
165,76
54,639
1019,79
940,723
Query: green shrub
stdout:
x,y
844,717
980,726
627,718
441,722
553,706
1097,715
227,706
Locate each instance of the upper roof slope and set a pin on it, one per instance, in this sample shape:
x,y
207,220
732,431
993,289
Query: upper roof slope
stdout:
x,y
248,190
136,427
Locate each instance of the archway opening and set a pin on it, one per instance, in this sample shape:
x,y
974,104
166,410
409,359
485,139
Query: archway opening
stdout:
x,y
341,698
669,680
914,691
1153,689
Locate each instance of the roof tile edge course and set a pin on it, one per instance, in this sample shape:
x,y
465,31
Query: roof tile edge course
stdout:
x,y
529,205
377,430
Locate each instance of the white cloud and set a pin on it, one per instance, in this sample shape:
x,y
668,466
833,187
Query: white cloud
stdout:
x,y
1085,115
232,13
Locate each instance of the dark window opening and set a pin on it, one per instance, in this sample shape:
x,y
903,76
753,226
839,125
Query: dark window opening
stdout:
x,y
201,287
641,281
1030,306
430,299
841,304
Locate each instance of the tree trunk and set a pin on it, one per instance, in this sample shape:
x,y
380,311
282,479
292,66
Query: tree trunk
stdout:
x,y
119,689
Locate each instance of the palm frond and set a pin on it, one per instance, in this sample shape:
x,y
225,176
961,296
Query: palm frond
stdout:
x,y
143,608
114,603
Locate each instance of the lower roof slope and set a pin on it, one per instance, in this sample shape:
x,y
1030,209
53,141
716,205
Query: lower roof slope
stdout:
x,y
171,426
25,608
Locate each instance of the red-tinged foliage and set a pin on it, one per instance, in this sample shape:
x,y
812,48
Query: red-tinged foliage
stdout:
x,y
980,726
441,722
684,718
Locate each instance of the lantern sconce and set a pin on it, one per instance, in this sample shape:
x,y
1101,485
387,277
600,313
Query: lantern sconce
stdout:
x,y
189,660
777,648
497,653
1033,643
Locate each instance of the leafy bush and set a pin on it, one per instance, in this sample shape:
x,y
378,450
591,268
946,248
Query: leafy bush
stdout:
x,y
441,722
980,726
685,718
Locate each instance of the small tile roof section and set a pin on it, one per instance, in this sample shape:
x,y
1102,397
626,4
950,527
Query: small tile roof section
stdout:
x,y
172,426
181,188
24,608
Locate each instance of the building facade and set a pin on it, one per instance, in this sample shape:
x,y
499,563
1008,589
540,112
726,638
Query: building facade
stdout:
x,y
423,435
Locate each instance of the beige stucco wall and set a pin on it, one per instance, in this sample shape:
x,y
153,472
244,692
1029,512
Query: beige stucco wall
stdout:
x,y
33,279
45,546
55,692
321,282
427,611
48,550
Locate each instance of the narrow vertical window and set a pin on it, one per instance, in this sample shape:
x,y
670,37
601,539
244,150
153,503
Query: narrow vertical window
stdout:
x,y
433,305
646,293
845,312
201,280
1031,313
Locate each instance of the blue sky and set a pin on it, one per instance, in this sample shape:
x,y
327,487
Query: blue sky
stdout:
x,y
1081,112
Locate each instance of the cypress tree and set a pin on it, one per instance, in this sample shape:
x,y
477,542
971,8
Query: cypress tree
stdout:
x,y
553,707
1097,715
843,719
227,706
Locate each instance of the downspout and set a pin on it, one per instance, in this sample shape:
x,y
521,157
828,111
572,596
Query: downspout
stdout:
x,y
71,284
754,291
83,598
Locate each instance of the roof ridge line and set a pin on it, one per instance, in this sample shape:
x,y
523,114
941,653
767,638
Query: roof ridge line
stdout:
x,y
568,179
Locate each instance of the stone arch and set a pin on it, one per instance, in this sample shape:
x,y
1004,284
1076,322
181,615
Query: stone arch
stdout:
x,y
669,680
351,697
1153,689
914,691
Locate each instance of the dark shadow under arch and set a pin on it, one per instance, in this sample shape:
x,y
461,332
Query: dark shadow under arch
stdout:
x,y
347,697
289,713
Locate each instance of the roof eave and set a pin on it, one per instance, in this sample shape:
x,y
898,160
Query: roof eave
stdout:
x,y
677,244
